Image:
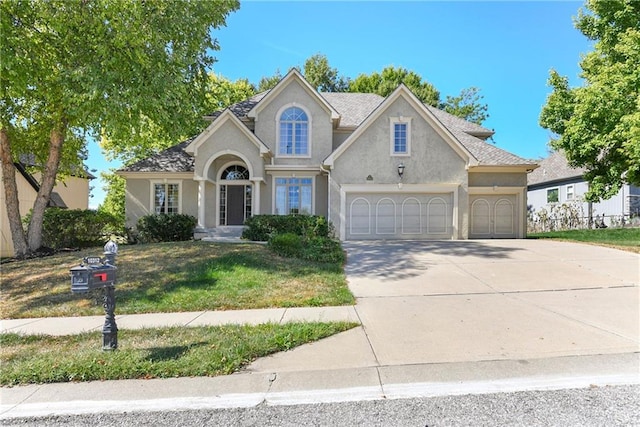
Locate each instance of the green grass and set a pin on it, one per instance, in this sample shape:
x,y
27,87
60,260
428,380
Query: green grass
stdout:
x,y
150,353
174,277
620,238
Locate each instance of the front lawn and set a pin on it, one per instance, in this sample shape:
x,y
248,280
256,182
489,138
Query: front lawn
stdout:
x,y
627,239
174,277
150,353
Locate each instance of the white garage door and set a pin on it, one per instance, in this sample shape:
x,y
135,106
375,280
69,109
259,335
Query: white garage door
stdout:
x,y
399,216
493,217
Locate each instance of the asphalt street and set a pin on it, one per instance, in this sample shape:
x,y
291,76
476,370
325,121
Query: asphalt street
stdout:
x,y
594,406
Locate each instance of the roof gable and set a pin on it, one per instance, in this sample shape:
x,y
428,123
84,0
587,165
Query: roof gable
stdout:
x,y
226,116
421,109
293,76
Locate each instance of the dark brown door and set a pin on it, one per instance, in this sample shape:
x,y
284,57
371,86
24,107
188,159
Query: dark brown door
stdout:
x,y
235,204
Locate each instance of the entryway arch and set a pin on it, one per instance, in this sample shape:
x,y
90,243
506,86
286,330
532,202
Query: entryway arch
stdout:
x,y
235,193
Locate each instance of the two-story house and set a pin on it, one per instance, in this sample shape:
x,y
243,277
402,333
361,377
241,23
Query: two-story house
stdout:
x,y
377,168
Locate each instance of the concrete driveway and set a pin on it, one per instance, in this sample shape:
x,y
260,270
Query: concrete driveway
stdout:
x,y
475,300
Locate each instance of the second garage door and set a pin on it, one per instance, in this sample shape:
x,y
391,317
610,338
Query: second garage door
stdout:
x,y
493,216
399,216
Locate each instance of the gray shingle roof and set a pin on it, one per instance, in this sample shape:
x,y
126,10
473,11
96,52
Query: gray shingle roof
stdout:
x,y
242,108
451,122
486,153
353,108
173,159
554,168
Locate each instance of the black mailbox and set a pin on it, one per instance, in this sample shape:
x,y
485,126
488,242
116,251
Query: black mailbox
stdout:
x,y
92,276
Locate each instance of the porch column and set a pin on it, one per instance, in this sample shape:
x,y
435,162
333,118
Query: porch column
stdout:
x,y
255,205
201,203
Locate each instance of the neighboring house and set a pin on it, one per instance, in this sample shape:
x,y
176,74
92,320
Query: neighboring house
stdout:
x,y
557,183
73,193
378,168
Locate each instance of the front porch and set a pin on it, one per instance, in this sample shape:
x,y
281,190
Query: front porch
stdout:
x,y
230,233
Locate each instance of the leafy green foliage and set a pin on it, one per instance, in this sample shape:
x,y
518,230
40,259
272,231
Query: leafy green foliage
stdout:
x,y
391,77
123,70
322,77
166,227
113,203
77,228
598,124
267,83
261,227
286,244
151,352
468,105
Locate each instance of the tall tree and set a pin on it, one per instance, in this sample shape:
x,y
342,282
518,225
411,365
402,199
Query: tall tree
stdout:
x,y
220,94
322,77
267,83
598,124
467,105
386,82
104,67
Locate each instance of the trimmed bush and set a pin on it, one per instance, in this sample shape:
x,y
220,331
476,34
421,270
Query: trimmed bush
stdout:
x,y
287,245
323,249
165,228
262,227
77,228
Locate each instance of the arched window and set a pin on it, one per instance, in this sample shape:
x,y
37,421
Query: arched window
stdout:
x,y
234,173
294,133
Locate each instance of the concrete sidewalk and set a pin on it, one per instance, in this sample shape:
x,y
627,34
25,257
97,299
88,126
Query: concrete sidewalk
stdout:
x,y
75,325
452,317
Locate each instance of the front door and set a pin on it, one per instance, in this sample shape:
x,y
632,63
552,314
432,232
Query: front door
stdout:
x,y
235,204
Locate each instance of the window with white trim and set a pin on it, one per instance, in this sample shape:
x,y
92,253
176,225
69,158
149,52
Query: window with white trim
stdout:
x,y
294,196
570,192
400,136
166,198
294,133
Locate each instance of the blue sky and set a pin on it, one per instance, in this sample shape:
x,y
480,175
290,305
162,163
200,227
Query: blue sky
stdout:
x,y
505,48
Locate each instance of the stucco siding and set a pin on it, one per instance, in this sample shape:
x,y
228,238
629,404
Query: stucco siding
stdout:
x,y
490,179
321,128
432,160
227,140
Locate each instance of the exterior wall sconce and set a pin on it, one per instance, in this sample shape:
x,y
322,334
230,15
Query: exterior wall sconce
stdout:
x,y
401,170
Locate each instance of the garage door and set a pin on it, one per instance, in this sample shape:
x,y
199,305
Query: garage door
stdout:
x,y
399,216
493,217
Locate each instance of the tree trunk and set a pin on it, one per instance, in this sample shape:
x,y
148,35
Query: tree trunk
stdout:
x,y
11,196
34,233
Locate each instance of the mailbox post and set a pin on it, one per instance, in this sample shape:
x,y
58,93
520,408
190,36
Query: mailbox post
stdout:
x,y
110,329
96,273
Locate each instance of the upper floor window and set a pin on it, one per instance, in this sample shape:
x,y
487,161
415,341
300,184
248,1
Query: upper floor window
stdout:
x,y
400,136
294,133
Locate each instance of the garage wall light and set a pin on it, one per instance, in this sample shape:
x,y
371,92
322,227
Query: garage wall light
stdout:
x,y
401,170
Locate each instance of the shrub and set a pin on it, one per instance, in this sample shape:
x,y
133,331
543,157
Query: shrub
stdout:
x,y
76,228
323,249
262,227
286,244
165,228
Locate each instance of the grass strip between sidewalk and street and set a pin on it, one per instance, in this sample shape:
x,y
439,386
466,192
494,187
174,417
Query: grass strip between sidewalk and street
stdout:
x,y
150,353
626,239
174,277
